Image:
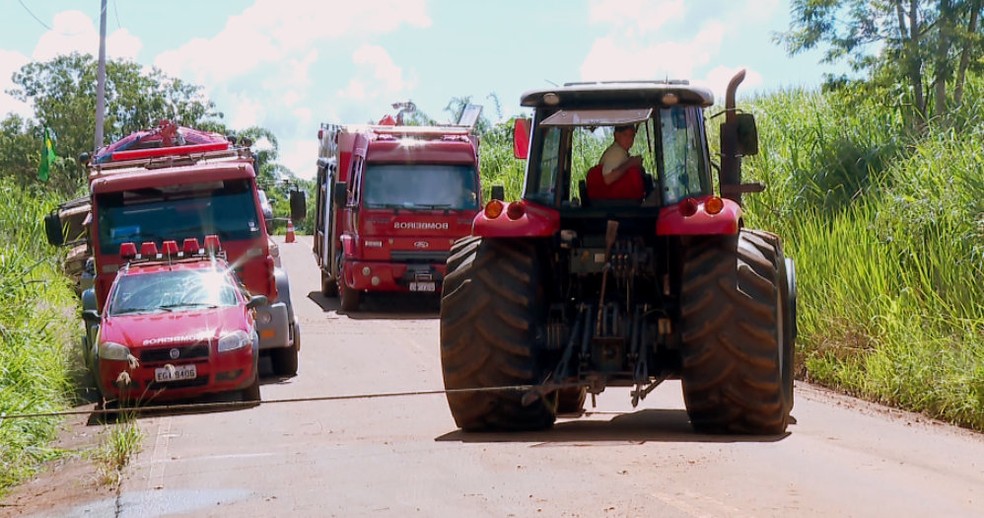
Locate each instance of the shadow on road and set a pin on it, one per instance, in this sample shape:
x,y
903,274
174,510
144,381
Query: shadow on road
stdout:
x,y
393,306
649,425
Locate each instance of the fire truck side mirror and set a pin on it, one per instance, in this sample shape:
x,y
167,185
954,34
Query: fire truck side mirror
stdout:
x,y
521,138
298,205
747,135
53,229
498,192
90,316
256,301
340,193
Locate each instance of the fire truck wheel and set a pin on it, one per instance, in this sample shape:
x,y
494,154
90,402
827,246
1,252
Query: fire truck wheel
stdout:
x,y
492,319
284,359
329,288
732,308
252,392
350,298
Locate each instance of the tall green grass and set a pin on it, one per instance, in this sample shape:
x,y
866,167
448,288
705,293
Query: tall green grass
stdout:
x,y
34,325
888,235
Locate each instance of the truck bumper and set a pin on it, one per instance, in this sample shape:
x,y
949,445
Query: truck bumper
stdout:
x,y
395,277
273,326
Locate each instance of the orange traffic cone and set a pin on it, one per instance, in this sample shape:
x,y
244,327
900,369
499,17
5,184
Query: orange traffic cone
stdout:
x,y
290,231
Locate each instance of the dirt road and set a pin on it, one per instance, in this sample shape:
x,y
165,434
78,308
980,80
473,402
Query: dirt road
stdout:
x,y
402,456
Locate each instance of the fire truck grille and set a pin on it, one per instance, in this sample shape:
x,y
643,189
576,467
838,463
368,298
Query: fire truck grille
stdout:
x,y
185,352
419,257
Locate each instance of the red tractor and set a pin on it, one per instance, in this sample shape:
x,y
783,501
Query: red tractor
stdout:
x,y
565,292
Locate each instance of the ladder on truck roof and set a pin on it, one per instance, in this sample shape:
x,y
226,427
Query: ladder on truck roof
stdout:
x,y
176,156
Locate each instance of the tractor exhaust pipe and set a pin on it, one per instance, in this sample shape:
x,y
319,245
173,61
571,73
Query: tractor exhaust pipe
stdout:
x,y
730,176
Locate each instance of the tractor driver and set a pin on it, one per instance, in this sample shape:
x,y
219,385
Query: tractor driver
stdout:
x,y
618,175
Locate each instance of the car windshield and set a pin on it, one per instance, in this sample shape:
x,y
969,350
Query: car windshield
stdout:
x,y
226,208
174,290
419,186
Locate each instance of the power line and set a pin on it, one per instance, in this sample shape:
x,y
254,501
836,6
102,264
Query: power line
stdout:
x,y
21,2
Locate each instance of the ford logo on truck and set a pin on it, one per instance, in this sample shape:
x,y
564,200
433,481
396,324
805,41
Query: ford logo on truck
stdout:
x,y
419,225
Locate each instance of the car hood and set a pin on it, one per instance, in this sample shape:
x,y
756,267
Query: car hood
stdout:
x,y
175,328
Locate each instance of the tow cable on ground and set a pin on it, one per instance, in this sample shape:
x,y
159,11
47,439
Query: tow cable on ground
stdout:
x,y
532,390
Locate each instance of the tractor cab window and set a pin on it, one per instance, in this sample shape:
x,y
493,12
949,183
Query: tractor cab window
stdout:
x,y
684,170
548,166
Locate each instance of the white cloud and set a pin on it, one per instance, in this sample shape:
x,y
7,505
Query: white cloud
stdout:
x,y
376,76
612,57
11,62
300,156
643,15
74,31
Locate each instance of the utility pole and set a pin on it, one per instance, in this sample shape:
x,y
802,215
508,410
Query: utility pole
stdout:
x,y
101,79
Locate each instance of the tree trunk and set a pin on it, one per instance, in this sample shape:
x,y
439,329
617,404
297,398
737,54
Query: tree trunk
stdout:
x,y
942,70
910,36
968,46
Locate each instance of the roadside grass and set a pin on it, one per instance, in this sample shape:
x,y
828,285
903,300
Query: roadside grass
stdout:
x,y
124,441
34,366
888,236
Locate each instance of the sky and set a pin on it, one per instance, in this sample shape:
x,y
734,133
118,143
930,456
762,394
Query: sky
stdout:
x,y
289,65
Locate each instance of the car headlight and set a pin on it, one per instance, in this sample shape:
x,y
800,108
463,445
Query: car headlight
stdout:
x,y
233,341
113,351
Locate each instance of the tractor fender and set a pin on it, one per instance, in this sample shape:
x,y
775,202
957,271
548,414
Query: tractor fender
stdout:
x,y
673,222
536,221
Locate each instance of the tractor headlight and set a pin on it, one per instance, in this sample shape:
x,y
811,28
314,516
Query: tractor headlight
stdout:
x,y
113,351
233,341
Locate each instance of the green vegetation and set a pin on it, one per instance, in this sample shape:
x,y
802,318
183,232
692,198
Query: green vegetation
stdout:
x,y
124,441
888,235
37,322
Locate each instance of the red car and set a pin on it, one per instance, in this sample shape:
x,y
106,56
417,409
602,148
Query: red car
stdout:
x,y
175,325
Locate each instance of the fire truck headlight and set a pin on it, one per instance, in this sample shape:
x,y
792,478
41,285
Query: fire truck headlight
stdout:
x,y
113,351
233,341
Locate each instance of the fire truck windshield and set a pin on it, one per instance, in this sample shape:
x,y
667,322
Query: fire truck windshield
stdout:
x,y
227,209
419,186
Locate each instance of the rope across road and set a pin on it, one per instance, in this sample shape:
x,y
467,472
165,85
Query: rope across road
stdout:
x,y
185,407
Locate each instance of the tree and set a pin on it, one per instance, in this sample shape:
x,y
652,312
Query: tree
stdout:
x,y
921,49
63,94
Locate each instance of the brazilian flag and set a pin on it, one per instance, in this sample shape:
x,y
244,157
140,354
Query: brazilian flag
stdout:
x,y
48,155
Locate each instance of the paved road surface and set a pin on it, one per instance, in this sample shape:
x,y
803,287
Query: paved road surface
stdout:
x,y
403,456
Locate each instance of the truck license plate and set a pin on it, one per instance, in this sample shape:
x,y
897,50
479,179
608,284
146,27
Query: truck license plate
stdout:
x,y
181,372
422,286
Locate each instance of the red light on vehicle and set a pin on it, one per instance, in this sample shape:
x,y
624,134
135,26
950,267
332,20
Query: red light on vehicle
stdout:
x,y
148,249
170,248
321,134
190,246
688,207
212,243
713,205
128,251
493,209
515,210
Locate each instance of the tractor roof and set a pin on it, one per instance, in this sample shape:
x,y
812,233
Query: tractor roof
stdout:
x,y
618,93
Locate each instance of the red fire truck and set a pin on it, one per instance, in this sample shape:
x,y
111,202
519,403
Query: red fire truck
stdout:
x,y
171,183
391,199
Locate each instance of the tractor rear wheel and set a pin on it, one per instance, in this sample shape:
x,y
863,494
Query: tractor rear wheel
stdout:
x,y
492,332
735,351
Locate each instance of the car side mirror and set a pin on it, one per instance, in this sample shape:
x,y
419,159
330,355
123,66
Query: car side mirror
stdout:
x,y
298,205
256,301
91,316
53,229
